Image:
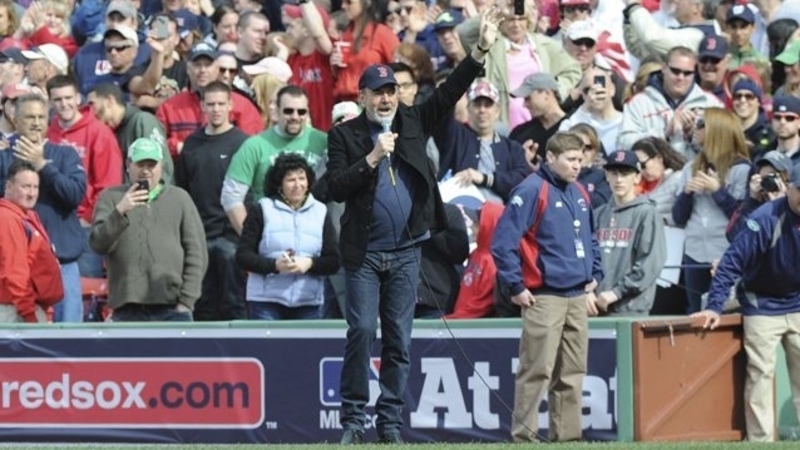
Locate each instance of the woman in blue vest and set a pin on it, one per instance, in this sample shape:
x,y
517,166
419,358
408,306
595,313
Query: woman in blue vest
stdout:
x,y
288,245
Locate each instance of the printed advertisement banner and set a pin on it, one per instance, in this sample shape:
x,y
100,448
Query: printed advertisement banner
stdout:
x,y
226,385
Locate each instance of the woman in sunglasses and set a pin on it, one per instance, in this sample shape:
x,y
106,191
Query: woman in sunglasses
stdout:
x,y
288,245
712,185
661,167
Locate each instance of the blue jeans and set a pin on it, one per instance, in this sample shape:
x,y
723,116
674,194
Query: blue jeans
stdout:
x,y
222,295
697,283
70,308
276,311
91,263
384,286
133,312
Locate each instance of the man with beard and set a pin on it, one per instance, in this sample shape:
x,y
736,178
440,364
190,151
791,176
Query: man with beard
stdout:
x,y
128,122
786,125
200,171
62,188
747,107
249,166
182,115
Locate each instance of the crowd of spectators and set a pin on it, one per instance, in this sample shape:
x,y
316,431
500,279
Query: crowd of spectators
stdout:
x,y
124,107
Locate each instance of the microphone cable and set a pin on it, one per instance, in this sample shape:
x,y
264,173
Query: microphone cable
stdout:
x,y
445,322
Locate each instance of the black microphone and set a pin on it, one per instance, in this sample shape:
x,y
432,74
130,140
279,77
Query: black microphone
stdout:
x,y
386,124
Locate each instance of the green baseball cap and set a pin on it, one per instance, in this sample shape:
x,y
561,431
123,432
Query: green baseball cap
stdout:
x,y
791,54
145,149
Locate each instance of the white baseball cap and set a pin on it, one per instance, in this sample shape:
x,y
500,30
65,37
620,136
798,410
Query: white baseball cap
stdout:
x,y
51,52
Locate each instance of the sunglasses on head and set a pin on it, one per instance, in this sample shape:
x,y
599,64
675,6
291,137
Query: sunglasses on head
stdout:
x,y
291,111
744,96
680,72
786,117
118,48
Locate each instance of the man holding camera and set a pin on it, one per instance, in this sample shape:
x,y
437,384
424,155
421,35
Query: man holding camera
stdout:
x,y
767,183
763,257
153,237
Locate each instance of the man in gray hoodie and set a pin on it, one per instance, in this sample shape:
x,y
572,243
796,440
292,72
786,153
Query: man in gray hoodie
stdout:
x,y
632,242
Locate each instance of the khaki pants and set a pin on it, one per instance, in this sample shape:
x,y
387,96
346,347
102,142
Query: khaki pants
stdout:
x,y
552,354
8,314
761,337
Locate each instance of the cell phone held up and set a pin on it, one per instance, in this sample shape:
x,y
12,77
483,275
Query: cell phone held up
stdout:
x,y
142,185
161,27
519,7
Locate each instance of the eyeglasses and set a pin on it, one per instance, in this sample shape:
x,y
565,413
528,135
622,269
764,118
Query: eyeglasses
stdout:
x,y
787,117
118,48
644,163
710,60
680,72
585,42
744,96
228,69
291,111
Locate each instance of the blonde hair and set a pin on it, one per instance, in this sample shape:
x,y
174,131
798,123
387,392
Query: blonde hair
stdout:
x,y
724,143
265,87
13,20
642,75
59,8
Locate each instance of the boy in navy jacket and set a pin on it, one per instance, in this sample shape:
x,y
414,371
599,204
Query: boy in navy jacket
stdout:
x,y
549,260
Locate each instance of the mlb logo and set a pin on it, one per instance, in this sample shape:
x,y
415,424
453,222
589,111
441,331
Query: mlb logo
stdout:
x,y
330,372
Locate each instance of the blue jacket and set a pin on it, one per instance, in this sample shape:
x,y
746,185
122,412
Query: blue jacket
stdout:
x,y
62,187
460,148
764,255
91,66
536,245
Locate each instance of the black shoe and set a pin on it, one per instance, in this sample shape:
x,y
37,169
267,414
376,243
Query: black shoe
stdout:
x,y
391,438
352,437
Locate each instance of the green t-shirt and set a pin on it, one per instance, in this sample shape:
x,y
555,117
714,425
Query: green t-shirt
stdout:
x,y
256,155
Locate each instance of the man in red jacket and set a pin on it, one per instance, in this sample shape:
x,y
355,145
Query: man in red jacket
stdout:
x,y
30,280
181,114
98,149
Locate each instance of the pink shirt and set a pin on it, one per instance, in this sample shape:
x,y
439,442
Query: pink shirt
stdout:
x,y
520,63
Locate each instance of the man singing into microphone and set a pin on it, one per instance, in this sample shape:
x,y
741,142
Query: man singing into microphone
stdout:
x,y
377,165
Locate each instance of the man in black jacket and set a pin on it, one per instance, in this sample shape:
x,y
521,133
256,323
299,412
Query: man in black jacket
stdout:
x,y
378,167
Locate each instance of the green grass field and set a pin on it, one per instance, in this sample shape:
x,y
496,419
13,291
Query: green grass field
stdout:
x,y
441,446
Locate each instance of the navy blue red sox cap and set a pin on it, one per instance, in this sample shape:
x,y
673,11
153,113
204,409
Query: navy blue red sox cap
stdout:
x,y
623,159
376,76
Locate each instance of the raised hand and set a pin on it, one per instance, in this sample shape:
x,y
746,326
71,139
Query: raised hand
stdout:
x,y
490,26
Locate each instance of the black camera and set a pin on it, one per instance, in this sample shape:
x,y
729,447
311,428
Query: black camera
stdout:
x,y
769,183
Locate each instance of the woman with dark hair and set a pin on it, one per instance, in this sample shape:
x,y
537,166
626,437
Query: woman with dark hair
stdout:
x,y
288,245
661,166
223,26
365,42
